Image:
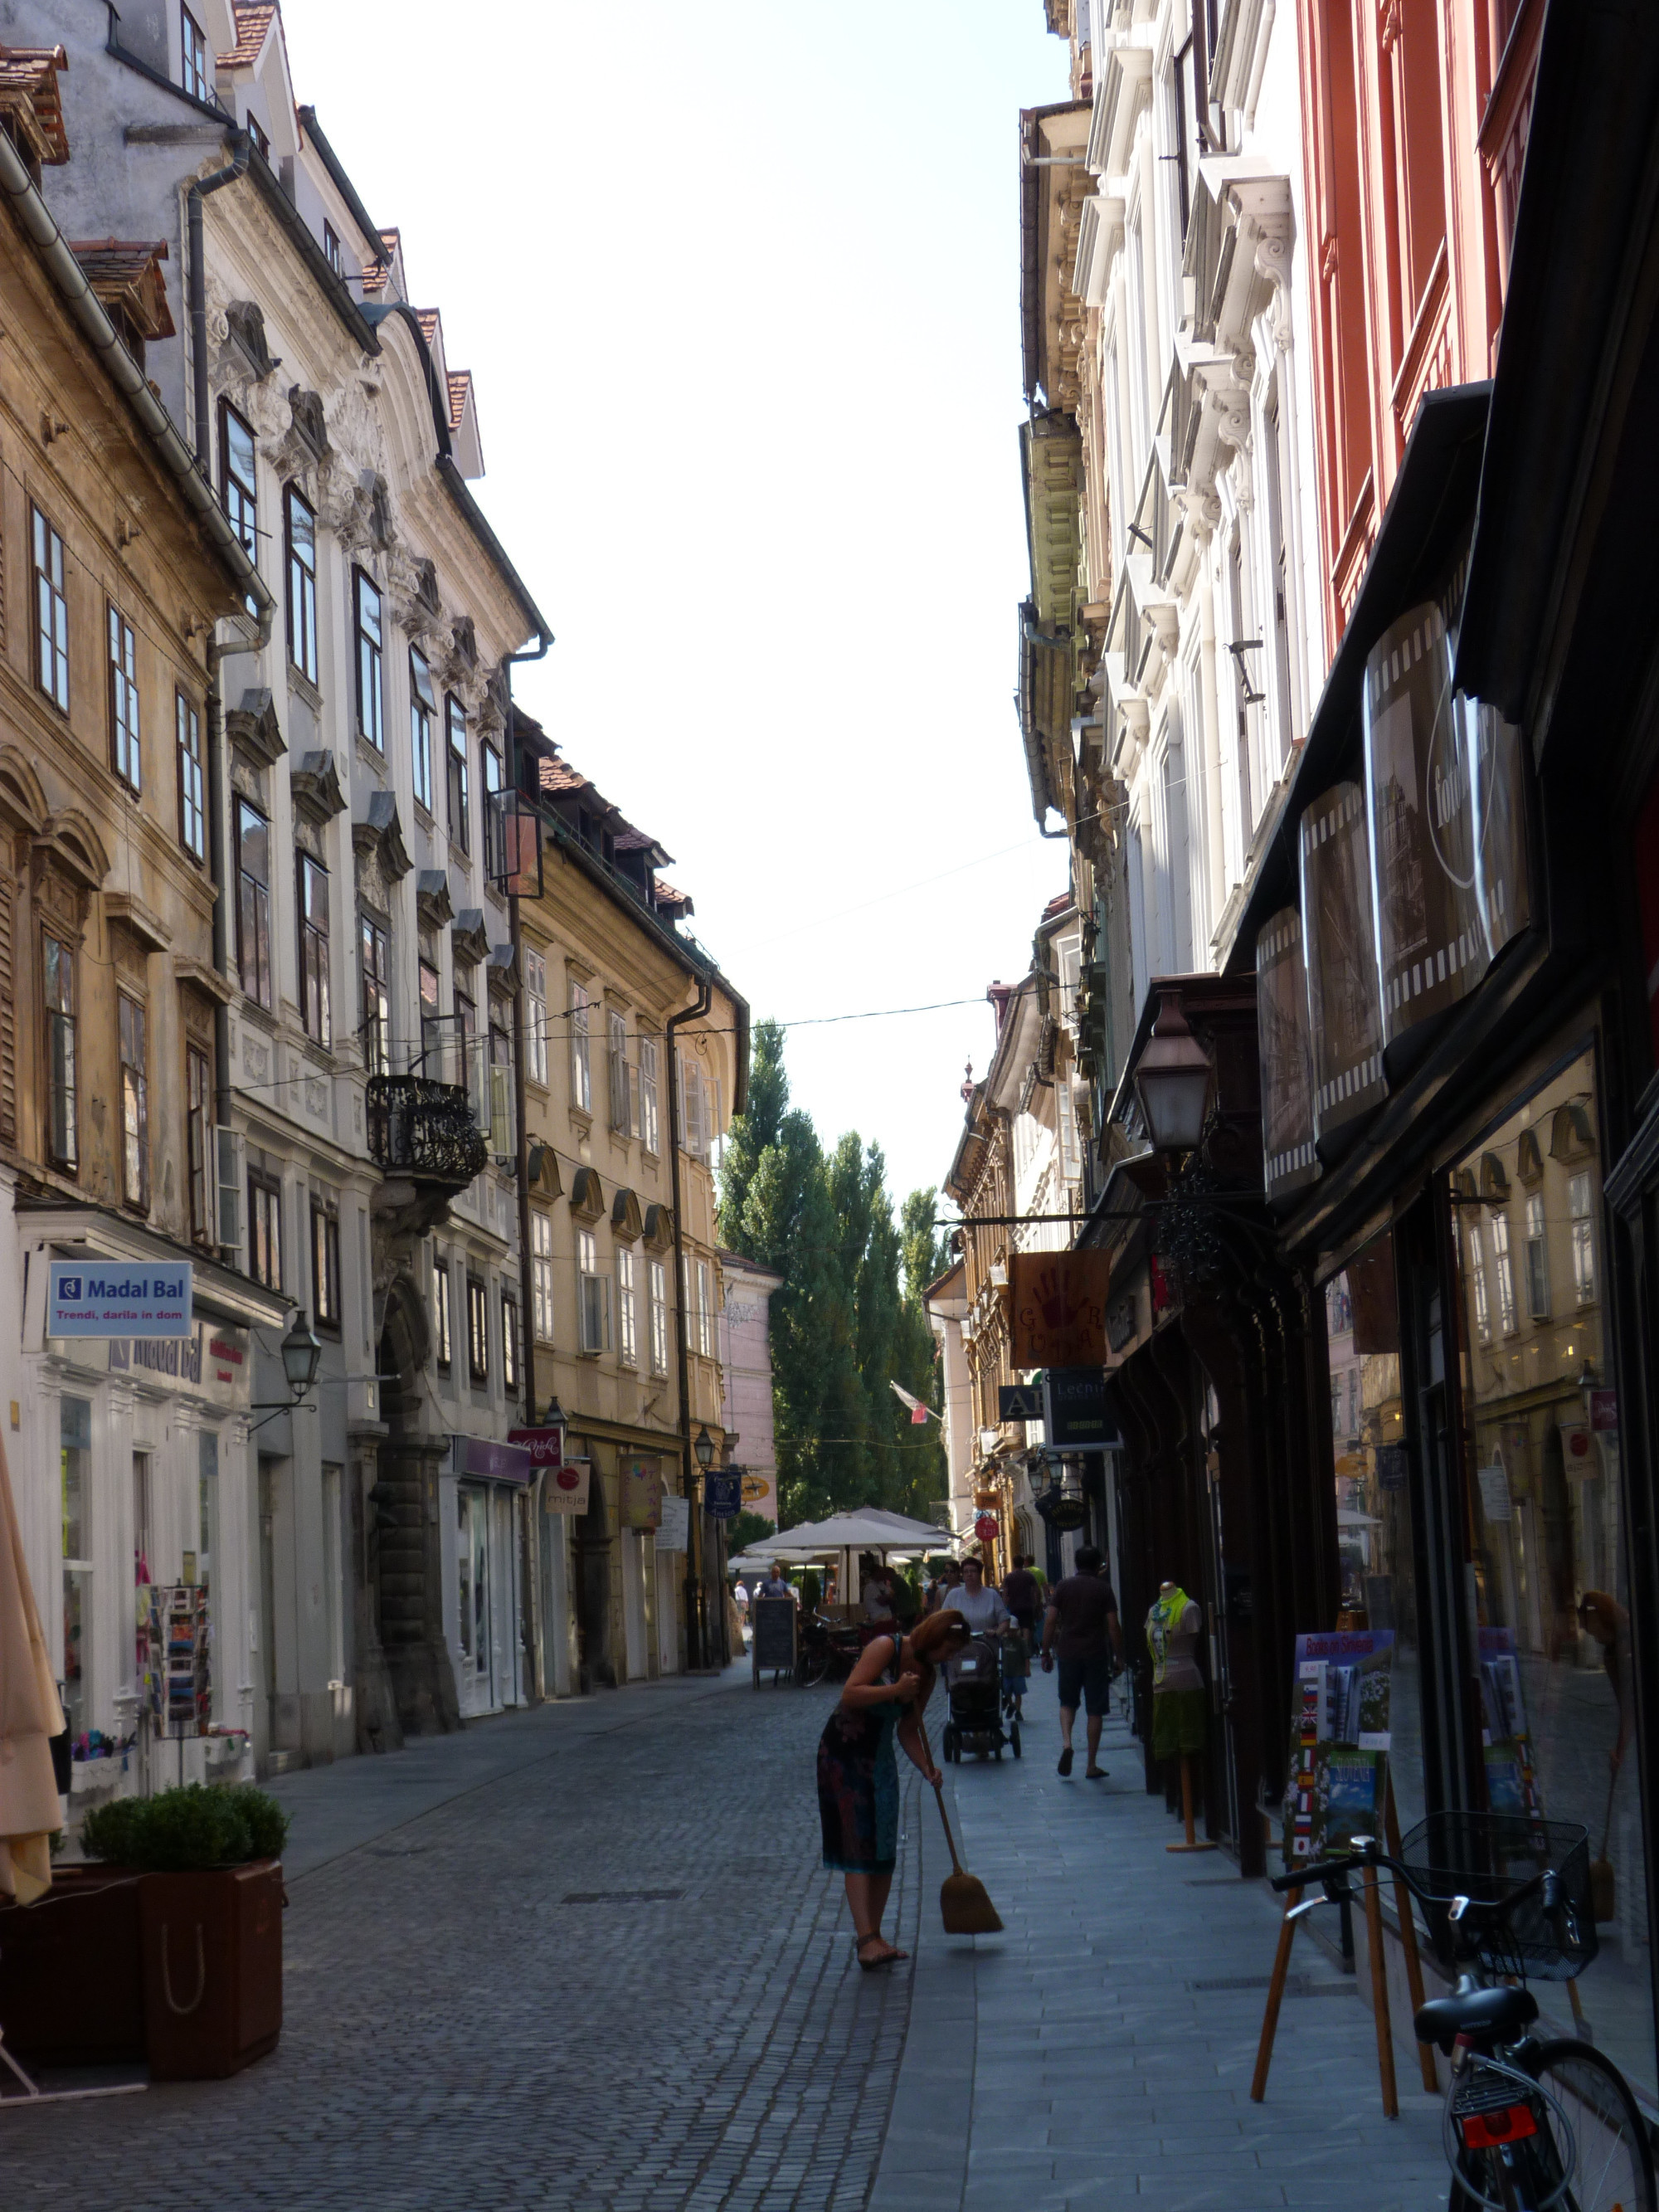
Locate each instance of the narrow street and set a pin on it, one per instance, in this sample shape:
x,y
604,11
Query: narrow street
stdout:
x,y
586,1957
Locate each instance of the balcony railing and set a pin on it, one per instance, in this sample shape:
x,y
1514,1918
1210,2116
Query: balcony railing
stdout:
x,y
426,1130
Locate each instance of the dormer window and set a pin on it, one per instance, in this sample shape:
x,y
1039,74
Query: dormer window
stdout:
x,y
332,251
261,143
194,48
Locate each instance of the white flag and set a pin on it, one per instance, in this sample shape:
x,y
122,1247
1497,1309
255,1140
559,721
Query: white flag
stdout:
x,y
920,1415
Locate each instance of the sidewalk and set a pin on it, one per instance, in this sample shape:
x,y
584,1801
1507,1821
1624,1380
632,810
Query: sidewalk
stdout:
x,y
1102,2049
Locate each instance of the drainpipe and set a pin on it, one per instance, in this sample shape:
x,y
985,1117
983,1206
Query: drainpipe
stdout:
x,y
531,1611
241,147
693,1638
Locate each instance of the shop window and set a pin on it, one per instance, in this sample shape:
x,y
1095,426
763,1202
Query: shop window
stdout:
x,y
656,1281
371,672
62,1140
264,1231
627,1308
123,753
314,949
51,611
74,1464
254,903
443,1334
193,810
377,997
477,1331
541,1275
535,993
299,538
581,1075
422,712
325,1265
509,1341
1542,1477
198,1127
1538,1260
131,1026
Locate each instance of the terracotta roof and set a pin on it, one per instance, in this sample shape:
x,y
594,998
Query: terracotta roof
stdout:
x,y
251,25
1058,904
374,277
29,96
126,274
634,840
460,383
558,775
668,895
428,320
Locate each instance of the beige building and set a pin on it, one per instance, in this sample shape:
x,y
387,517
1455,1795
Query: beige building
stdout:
x,y
633,1039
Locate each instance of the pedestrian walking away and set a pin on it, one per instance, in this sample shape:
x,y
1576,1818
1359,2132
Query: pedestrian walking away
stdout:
x,y
885,1696
1081,1630
1022,1594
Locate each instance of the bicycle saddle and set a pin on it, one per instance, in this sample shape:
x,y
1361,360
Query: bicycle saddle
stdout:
x,y
1494,2015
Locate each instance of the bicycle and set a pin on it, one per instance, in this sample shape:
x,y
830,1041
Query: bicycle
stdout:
x,y
1531,2125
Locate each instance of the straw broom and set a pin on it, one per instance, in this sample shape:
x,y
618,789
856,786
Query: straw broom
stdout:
x,y
963,1904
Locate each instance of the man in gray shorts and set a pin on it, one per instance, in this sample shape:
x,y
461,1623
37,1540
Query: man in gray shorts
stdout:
x,y
1081,1630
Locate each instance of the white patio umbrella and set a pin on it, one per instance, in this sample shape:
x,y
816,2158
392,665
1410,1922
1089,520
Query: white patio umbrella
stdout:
x,y
30,1715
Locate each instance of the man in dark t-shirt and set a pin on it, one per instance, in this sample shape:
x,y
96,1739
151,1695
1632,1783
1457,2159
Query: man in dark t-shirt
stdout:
x,y
1082,1631
1022,1594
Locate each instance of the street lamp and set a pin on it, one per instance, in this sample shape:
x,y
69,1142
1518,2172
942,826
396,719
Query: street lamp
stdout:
x,y
1172,1081
554,1417
302,1355
704,1450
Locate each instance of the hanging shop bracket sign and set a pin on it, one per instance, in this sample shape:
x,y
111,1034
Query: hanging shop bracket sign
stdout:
x,y
477,1459
119,1298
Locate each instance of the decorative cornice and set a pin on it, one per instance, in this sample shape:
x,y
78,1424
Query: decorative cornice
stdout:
x,y
503,970
431,898
253,727
147,928
315,785
382,833
469,936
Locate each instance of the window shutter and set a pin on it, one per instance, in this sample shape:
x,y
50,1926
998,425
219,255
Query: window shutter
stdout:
x,y
7,1015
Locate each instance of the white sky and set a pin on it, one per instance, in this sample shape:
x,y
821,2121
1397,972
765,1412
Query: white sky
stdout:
x,y
738,284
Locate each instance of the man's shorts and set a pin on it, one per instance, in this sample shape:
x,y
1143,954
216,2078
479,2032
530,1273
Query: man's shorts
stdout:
x,y
1086,1682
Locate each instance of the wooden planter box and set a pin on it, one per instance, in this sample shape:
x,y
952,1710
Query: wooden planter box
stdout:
x,y
71,1990
212,1948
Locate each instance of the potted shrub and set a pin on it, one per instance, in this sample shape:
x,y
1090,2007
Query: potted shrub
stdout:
x,y
210,1921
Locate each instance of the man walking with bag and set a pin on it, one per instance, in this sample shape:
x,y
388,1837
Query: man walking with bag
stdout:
x,y
1082,1631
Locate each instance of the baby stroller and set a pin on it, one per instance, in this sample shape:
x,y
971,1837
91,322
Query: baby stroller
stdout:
x,y
976,1706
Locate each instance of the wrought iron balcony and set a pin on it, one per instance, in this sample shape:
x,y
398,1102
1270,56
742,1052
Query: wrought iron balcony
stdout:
x,y
425,1130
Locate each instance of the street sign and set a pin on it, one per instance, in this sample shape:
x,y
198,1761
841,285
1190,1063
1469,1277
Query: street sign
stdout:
x,y
1019,1402
722,1492
986,1526
119,1297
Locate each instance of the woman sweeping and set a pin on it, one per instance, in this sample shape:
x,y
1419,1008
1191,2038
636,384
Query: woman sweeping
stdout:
x,y
858,1773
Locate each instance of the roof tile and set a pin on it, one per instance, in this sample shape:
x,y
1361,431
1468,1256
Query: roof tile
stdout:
x,y
252,23
460,384
29,94
126,274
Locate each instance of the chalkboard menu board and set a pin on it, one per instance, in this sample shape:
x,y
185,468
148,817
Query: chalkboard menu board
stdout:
x,y
773,1644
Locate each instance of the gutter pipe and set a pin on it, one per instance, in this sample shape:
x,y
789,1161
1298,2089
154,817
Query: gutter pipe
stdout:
x,y
694,1623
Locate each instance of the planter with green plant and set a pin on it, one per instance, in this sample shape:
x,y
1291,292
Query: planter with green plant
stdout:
x,y
210,1918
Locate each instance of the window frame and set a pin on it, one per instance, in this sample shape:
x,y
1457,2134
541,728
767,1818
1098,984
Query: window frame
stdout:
x,y
491,773
510,1370
650,1101
332,251
581,1069
432,1020
443,1319
477,1331
50,596
1582,1218
1535,1244
62,1118
457,738
370,657
193,57
656,1282
132,1069
594,1331
240,497
316,1010
375,965
535,994
422,713
541,1275
191,791
254,909
125,751
299,593
627,1348
325,1301
264,1229
256,132
198,1143
616,1070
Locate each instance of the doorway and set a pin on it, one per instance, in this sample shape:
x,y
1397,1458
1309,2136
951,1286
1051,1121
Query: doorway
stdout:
x,y
635,1645
147,1669
474,1624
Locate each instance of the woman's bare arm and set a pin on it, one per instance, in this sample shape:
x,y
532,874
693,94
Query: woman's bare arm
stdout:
x,y
865,1686
911,1733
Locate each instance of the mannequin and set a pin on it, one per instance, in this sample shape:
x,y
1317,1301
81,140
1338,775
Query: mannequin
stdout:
x,y
1180,1701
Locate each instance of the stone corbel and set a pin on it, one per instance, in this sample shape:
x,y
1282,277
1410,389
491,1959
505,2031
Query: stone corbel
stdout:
x,y
468,937
1133,727
431,898
147,929
315,785
503,971
253,727
382,835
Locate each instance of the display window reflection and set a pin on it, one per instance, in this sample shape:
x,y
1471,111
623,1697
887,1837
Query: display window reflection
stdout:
x,y
1373,1496
1543,1482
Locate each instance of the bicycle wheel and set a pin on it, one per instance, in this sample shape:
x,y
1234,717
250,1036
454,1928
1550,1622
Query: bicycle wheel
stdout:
x,y
810,1667
1614,2169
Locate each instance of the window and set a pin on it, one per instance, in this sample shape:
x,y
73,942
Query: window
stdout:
x,y
431,1023
648,1118
592,1296
656,1296
1583,1250
264,1231
455,722
199,1125
377,998
299,534
61,1120
123,701
192,812
256,132
443,1341
466,1024
1538,1260
509,1341
502,1142
581,1081
617,1059
422,708
195,56
627,1334
332,253
494,826
535,993
1071,1151
694,1110
371,700
703,1309
253,900
1505,1272
325,1265
51,611
1477,1282
477,1330
239,488
541,1276
135,1101
314,949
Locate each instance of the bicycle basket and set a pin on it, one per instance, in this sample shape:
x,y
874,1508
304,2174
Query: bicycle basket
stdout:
x,y
1490,1858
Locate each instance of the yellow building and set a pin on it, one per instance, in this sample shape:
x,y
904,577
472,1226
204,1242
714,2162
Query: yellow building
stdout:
x,y
636,1054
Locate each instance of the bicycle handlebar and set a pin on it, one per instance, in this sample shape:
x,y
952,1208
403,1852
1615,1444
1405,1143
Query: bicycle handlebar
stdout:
x,y
1327,1872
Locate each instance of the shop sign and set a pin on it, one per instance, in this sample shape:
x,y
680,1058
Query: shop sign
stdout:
x,y
210,1361
545,1446
119,1298
1339,938
1281,1013
674,1529
1578,1450
1604,1411
477,1459
722,1492
1076,1416
639,1483
565,1490
1391,1467
1495,1493
1058,1315
1021,1401
986,1527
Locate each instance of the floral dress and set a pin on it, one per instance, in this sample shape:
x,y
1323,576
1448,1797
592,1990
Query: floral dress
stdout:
x,y
858,1784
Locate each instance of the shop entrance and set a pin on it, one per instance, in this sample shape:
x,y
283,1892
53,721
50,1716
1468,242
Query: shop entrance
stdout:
x,y
475,1623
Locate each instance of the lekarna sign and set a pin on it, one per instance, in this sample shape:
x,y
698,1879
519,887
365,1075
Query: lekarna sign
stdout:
x,y
119,1297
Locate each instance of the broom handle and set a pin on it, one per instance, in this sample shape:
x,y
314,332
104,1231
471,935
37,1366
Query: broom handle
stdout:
x,y
938,1792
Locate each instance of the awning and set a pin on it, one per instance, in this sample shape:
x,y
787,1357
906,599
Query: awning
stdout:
x,y
477,1459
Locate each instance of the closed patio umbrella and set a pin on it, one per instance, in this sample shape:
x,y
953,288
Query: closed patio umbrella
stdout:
x,y
30,1715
